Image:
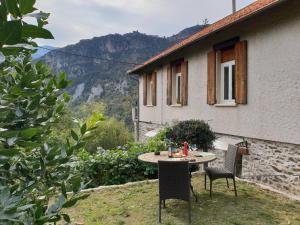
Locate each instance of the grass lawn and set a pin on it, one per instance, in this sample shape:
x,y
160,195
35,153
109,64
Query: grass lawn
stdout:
x,y
138,204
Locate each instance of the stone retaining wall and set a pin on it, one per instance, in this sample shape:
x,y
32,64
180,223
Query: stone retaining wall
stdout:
x,y
270,163
145,127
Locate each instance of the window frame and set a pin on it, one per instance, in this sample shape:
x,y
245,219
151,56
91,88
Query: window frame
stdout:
x,y
178,80
231,81
149,91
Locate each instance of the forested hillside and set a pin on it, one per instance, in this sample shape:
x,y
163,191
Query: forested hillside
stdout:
x,y
98,67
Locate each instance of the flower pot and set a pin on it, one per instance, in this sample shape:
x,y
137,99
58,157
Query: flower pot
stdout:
x,y
243,151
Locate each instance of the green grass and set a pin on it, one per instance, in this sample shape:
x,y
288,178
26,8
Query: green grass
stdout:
x,y
138,204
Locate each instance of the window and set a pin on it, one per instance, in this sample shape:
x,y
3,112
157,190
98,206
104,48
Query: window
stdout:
x,y
178,88
227,82
149,90
176,85
227,74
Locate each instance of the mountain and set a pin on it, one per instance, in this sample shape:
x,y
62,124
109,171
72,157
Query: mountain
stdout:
x,y
42,51
98,67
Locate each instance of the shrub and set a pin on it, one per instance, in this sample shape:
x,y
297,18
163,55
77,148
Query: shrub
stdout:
x,y
116,166
110,134
195,132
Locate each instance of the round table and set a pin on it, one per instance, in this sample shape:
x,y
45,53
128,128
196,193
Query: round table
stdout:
x,y
193,157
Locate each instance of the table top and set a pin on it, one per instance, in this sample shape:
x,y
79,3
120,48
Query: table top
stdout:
x,y
193,157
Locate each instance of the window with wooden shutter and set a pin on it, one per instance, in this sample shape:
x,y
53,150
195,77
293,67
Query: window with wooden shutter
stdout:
x,y
241,72
211,78
154,88
184,83
169,85
144,89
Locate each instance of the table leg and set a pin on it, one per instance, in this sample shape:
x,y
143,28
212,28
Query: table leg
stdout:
x,y
192,188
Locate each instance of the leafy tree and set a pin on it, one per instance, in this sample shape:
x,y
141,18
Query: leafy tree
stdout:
x,y
85,110
15,34
109,134
32,171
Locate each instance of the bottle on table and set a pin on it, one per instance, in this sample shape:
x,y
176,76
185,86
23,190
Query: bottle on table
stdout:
x,y
169,151
185,148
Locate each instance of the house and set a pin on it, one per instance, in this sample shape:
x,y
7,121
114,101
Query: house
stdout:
x,y
241,75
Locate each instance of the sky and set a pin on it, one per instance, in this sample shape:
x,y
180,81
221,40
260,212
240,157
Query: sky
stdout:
x,y
73,20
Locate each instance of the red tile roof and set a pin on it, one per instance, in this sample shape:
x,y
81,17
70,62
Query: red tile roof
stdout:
x,y
244,13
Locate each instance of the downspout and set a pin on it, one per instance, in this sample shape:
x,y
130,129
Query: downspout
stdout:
x,y
162,97
233,6
138,113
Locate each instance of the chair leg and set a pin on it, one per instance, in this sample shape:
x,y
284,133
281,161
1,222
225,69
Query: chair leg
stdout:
x,y
205,181
159,212
210,189
235,192
164,202
194,194
227,182
189,213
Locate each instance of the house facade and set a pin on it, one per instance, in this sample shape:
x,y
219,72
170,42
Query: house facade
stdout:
x,y
242,76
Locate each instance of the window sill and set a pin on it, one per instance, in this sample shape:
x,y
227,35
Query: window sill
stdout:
x,y
149,105
226,105
176,105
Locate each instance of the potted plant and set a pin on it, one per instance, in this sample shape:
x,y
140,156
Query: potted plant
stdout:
x,y
160,146
243,148
196,132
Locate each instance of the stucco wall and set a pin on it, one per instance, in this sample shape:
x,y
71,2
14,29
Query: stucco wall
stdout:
x,y
273,109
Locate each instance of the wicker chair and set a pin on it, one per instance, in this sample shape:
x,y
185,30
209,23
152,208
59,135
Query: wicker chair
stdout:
x,y
174,183
228,171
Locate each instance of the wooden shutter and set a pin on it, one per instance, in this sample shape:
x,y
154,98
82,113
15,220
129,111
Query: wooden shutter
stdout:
x,y
144,89
184,83
241,72
154,88
169,85
211,78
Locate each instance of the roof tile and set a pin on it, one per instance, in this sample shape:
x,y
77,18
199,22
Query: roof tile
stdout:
x,y
231,19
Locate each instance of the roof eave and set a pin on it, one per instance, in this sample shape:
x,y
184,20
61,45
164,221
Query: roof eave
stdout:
x,y
139,69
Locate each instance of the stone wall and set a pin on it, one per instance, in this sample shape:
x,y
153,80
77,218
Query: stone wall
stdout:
x,y
270,163
274,164
145,127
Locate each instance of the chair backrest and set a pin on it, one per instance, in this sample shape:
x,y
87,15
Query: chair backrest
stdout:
x,y
174,180
231,158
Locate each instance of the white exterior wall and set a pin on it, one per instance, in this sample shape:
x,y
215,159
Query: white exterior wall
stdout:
x,y
273,109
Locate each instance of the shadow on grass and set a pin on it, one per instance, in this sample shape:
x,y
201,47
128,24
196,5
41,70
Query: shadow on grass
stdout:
x,y
138,205
250,207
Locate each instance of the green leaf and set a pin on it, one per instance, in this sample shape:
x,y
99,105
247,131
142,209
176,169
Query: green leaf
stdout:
x,y
60,107
31,31
66,97
7,51
83,129
3,12
74,135
63,82
76,183
9,152
80,145
66,218
26,6
74,200
11,32
63,189
12,7
28,133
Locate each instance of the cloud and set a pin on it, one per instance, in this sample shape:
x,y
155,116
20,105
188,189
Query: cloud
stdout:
x,y
72,20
